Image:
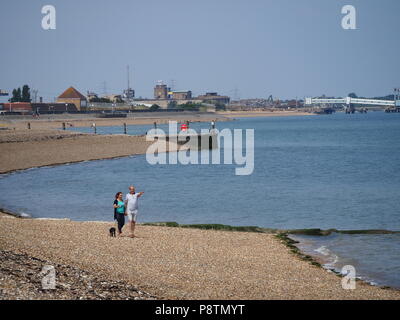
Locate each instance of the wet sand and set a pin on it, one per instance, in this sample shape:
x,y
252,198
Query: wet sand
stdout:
x,y
56,121
24,149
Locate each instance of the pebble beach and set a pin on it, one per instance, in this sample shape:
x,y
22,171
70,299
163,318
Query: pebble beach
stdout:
x,y
178,263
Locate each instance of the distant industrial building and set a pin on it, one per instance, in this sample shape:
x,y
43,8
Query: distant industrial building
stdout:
x,y
214,98
71,100
53,107
129,94
91,95
21,107
160,91
71,95
180,95
115,98
38,108
111,98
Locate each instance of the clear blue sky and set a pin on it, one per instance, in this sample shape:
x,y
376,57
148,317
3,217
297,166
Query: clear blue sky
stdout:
x,y
286,48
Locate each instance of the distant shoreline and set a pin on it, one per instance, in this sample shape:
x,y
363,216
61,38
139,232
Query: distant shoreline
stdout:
x,y
50,121
251,114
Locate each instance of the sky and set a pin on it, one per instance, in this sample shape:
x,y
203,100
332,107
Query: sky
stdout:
x,y
240,48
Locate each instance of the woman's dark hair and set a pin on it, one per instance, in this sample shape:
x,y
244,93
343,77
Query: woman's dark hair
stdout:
x,y
117,194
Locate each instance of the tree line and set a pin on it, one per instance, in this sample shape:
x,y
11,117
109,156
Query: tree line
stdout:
x,y
21,95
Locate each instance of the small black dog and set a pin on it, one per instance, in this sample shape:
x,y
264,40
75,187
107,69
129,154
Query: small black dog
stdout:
x,y
112,232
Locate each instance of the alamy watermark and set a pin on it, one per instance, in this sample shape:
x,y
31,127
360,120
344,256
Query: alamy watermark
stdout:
x,y
49,20
349,277
349,21
190,147
48,274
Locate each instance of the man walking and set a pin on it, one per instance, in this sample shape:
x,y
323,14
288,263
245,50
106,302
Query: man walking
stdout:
x,y
131,205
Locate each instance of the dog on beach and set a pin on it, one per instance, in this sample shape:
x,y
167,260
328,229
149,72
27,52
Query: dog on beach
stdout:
x,y
112,232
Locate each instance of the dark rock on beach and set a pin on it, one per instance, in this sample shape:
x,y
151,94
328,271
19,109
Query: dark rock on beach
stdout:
x,y
21,278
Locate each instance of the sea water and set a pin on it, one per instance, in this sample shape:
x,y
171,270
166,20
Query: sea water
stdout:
x,y
336,171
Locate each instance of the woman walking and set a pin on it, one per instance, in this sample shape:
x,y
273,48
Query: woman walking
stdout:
x,y
119,211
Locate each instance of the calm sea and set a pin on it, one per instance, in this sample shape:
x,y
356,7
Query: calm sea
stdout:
x,y
338,171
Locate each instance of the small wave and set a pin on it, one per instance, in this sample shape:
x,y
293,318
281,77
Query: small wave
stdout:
x,y
54,219
323,250
331,265
24,215
368,280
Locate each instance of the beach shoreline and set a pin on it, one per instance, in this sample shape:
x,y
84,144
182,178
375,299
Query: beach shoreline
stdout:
x,y
280,236
25,149
289,237
50,121
257,114
172,263
163,259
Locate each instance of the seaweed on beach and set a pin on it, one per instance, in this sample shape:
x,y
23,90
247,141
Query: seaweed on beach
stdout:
x,y
291,244
320,232
305,232
221,227
311,232
377,231
162,224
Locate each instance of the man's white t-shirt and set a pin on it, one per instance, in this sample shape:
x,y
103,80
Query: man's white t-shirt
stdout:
x,y
132,201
